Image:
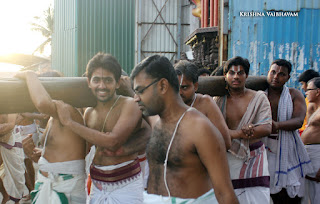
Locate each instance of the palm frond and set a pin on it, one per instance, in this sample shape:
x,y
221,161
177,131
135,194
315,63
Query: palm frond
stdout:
x,y
44,25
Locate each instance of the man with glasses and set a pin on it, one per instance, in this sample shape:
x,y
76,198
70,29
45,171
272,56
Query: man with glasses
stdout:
x,y
248,117
311,139
287,157
303,80
115,126
186,153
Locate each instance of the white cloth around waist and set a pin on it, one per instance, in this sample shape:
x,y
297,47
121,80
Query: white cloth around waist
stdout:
x,y
207,198
25,129
67,167
314,154
73,189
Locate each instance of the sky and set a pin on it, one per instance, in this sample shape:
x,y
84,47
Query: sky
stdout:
x,y
15,26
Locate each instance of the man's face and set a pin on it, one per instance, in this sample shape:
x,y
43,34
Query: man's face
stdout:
x,y
146,96
312,92
303,85
103,84
236,77
277,76
187,89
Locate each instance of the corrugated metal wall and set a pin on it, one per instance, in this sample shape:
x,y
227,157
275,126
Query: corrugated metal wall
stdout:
x,y
99,26
64,52
161,27
107,26
264,39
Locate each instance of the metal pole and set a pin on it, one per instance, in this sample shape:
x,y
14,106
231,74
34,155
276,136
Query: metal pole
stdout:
x,y
139,32
216,12
179,29
221,6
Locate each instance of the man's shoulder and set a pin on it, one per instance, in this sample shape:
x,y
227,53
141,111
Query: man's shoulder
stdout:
x,y
205,99
193,116
295,94
126,100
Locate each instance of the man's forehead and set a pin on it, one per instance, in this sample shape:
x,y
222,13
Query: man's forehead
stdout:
x,y
279,69
99,72
141,78
310,84
184,80
236,68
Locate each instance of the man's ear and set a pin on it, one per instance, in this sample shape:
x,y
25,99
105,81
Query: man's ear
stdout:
x,y
164,85
196,86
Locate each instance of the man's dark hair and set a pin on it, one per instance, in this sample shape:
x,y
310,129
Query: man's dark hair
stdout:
x,y
308,75
237,61
203,71
104,61
188,69
157,67
316,81
283,63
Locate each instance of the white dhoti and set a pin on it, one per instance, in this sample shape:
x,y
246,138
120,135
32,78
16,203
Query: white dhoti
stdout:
x,y
117,184
250,178
312,187
65,183
207,198
144,169
13,174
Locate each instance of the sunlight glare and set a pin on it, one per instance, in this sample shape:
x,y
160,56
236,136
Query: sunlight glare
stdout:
x,y
15,23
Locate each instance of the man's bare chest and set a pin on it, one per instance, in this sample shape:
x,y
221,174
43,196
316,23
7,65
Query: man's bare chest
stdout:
x,y
158,147
100,121
235,112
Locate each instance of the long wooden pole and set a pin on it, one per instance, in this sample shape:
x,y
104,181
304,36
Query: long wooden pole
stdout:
x,y
74,91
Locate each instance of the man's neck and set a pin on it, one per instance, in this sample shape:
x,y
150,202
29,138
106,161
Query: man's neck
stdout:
x,y
237,92
173,109
192,100
107,104
275,91
317,103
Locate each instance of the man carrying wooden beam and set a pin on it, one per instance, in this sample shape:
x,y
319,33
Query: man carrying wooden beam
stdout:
x,y
248,116
287,157
61,173
115,126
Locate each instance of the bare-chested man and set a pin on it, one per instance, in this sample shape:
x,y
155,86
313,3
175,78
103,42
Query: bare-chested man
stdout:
x,y
61,174
248,116
311,138
303,80
26,124
188,78
287,157
186,153
114,122
12,184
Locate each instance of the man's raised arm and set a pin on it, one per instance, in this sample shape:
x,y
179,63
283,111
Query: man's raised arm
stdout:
x,y
130,117
39,96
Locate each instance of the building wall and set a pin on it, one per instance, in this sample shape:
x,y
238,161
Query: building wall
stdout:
x,y
263,39
84,28
161,28
64,44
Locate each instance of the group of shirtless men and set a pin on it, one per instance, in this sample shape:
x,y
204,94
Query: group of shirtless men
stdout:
x,y
238,148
